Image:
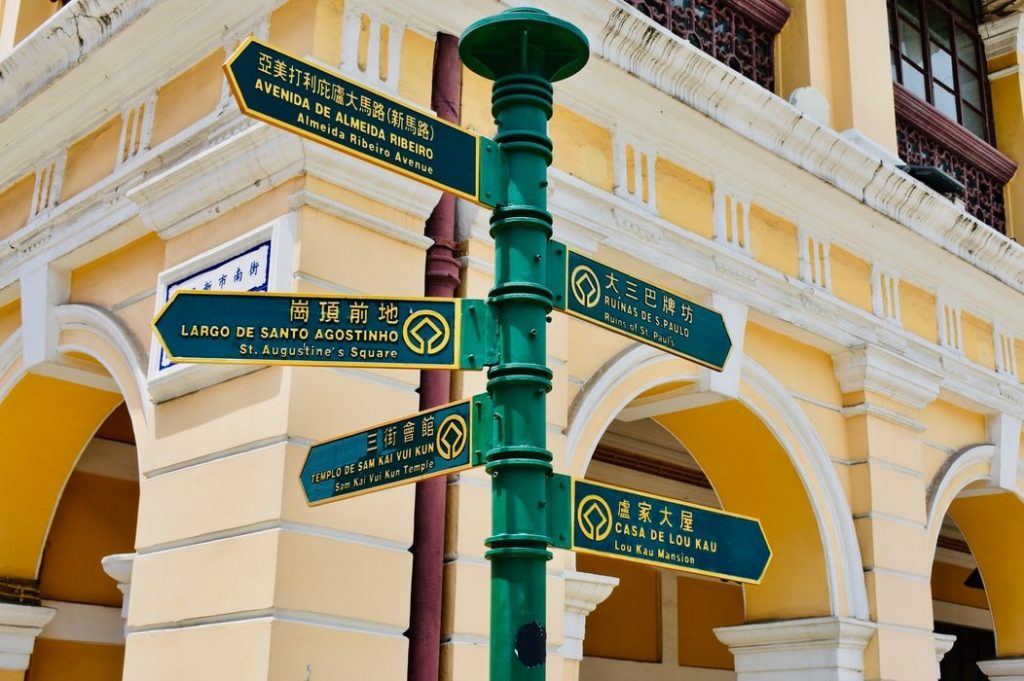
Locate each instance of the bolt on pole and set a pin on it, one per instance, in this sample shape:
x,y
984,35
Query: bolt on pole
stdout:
x,y
523,51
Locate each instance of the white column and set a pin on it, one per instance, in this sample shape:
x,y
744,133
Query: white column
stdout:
x,y
818,649
943,644
583,592
19,627
1003,669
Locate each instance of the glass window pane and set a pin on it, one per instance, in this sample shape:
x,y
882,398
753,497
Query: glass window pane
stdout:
x,y
913,80
944,101
970,88
939,28
909,9
974,121
910,45
967,48
942,65
966,8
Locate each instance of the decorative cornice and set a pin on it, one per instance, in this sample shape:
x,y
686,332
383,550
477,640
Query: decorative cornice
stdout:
x,y
873,369
1008,668
1002,36
583,592
19,627
632,42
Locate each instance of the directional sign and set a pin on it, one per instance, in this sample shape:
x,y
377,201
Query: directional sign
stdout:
x,y
325,330
628,305
438,441
622,523
302,97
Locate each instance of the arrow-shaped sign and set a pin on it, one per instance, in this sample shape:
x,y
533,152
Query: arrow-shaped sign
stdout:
x,y
645,528
305,98
651,314
323,330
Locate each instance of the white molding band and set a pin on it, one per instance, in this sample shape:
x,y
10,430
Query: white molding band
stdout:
x,y
1004,669
943,644
584,591
19,627
84,623
817,649
874,369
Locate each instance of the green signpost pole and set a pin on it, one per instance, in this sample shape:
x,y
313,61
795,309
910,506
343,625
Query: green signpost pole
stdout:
x,y
524,51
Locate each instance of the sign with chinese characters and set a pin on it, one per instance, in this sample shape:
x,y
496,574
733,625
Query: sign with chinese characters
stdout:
x,y
301,97
434,442
603,295
641,527
310,330
247,271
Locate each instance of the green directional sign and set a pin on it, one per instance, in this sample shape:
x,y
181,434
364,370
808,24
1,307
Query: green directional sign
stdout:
x,y
622,523
323,330
302,97
434,442
643,311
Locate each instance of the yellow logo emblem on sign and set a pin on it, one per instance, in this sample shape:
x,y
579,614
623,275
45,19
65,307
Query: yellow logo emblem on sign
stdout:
x,y
594,518
426,332
451,437
586,287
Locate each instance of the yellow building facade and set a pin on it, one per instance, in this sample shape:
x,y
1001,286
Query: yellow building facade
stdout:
x,y
152,523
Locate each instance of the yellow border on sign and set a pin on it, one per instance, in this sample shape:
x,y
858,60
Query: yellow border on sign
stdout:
x,y
456,332
426,476
236,91
640,339
678,568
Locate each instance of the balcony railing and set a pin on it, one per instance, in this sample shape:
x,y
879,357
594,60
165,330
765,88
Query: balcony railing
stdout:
x,y
926,137
738,33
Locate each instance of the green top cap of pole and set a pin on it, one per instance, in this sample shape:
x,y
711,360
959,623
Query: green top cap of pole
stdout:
x,y
524,40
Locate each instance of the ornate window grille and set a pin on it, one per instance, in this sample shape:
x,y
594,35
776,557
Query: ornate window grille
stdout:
x,y
738,33
943,108
926,137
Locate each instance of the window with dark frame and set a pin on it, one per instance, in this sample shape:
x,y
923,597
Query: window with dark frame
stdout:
x,y
938,56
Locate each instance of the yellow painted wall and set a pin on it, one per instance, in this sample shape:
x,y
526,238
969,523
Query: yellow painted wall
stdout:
x,y
10,319
754,476
917,311
415,79
1008,115
991,524
1018,345
15,204
96,518
948,585
851,277
31,15
953,426
684,199
804,49
704,605
54,660
979,343
11,674
773,240
291,26
627,625
119,275
582,148
37,458
188,97
800,367
476,103
91,158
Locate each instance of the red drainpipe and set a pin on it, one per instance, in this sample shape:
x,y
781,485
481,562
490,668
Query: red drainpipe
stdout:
x,y
442,280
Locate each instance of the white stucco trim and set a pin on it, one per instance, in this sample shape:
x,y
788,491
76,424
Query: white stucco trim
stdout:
x,y
945,492
19,627
835,520
10,352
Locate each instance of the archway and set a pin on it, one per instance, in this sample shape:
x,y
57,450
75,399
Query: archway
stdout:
x,y
760,457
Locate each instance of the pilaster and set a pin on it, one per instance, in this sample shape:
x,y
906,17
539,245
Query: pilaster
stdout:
x,y
883,394
816,649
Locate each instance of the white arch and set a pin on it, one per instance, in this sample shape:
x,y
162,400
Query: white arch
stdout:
x,y
131,377
833,513
10,353
967,458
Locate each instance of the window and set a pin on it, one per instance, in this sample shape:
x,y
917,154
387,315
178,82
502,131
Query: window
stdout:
x,y
938,56
738,33
943,111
